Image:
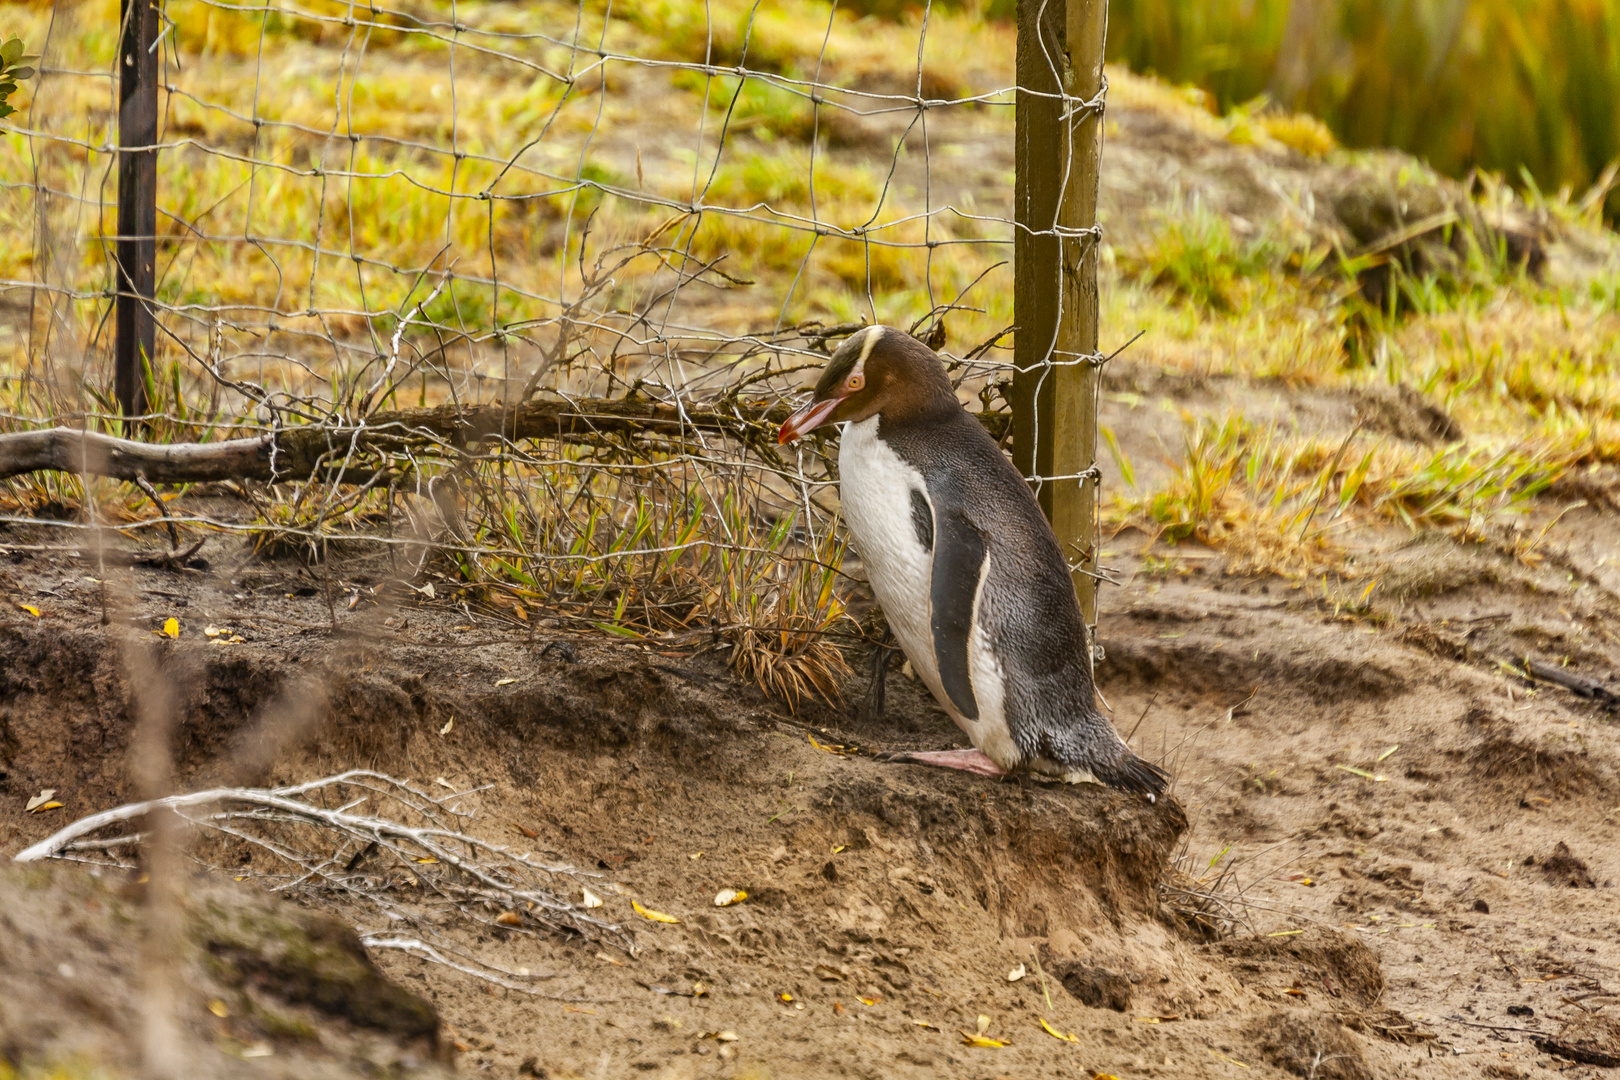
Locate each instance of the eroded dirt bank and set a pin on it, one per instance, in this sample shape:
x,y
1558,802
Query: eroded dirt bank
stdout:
x,y
1422,841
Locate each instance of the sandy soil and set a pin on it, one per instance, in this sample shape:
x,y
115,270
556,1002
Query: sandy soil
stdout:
x,y
1419,841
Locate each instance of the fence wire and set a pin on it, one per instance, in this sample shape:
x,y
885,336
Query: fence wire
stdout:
x,y
541,276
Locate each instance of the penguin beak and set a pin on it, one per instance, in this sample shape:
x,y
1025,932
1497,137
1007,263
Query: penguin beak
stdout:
x,y
807,420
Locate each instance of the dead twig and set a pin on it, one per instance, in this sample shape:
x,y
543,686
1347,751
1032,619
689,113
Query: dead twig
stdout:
x,y
407,864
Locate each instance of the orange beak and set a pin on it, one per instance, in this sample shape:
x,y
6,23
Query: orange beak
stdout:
x,y
806,420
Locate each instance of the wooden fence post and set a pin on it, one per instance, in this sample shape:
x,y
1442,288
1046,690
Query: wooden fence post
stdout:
x,y
135,333
1059,153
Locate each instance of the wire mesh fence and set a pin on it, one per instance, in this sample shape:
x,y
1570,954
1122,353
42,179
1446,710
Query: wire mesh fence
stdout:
x,y
514,295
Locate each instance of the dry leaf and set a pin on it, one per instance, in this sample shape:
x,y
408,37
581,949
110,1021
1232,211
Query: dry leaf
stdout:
x,y
838,1008
41,799
1233,1061
1016,973
726,1036
525,830
509,918
213,631
1055,1033
504,682
171,626
31,609
258,1050
925,1024
695,855
984,1023
829,974
591,900
448,724
442,782
218,1008
609,959
655,916
981,1040
727,897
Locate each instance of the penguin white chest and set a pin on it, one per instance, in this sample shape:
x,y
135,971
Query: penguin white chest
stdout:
x,y
875,488
878,490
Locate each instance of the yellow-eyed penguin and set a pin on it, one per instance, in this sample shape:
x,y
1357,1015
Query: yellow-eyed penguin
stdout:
x,y
971,578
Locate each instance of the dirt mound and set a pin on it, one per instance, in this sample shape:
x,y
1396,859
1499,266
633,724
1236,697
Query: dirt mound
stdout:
x,y
268,990
1322,959
1310,1045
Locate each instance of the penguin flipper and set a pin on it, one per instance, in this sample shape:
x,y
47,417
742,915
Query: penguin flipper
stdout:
x,y
959,565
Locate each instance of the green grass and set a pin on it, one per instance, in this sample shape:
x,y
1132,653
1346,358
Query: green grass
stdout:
x,y
1493,84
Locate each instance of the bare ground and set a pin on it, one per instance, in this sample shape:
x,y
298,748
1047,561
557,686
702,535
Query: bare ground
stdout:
x,y
1422,840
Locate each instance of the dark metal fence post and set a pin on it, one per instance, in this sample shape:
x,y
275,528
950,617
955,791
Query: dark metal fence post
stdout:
x,y
1059,151
137,204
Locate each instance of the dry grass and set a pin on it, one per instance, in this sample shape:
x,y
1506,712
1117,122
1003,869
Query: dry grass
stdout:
x,y
509,204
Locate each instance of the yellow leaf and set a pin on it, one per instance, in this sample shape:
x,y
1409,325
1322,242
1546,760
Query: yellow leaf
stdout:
x,y
981,1040
785,998
218,1008
41,799
838,847
1234,1061
655,916
427,859
1103,1076
52,805
925,1024
31,609
171,626
727,897
869,1001
1055,1033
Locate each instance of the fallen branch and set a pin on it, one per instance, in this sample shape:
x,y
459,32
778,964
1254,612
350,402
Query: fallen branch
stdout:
x,y
298,452
1579,685
408,866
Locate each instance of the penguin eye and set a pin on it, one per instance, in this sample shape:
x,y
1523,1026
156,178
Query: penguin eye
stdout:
x,y
855,382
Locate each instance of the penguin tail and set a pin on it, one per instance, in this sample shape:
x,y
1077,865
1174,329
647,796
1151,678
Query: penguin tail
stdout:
x,y
1130,773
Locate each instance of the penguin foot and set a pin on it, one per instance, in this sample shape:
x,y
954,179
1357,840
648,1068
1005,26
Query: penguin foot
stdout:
x,y
871,708
972,761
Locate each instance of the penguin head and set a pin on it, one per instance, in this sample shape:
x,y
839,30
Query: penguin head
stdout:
x,y
880,370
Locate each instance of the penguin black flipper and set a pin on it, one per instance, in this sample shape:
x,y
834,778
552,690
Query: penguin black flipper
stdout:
x,y
959,563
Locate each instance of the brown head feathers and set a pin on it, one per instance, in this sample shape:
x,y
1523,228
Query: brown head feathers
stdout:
x,y
879,370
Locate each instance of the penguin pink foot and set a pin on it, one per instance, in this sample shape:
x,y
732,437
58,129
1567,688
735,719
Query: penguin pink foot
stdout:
x,y
974,585
973,761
